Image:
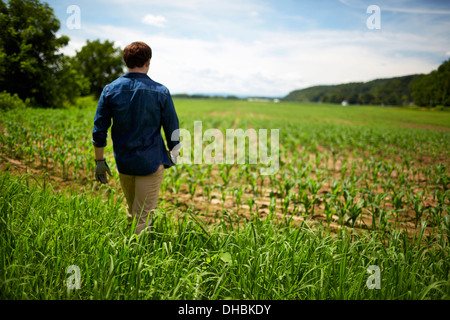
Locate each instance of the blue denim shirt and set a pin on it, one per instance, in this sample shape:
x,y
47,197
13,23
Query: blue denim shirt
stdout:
x,y
138,107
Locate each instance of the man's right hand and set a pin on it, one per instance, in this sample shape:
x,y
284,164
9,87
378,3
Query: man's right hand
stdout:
x,y
101,168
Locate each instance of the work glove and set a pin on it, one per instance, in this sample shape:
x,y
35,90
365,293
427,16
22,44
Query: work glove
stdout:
x,y
101,168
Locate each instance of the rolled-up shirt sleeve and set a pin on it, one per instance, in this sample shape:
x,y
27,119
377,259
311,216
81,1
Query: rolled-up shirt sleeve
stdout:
x,y
170,122
102,121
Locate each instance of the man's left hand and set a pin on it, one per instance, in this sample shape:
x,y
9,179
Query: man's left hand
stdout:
x,y
101,168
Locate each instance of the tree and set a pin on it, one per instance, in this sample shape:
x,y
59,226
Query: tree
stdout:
x,y
99,62
434,88
353,98
366,98
30,62
70,82
443,79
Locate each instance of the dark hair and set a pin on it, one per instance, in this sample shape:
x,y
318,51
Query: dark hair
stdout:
x,y
136,54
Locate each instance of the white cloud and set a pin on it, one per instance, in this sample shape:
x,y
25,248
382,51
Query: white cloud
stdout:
x,y
156,21
258,48
275,64
75,44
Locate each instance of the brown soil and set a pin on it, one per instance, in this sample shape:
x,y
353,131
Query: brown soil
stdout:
x,y
422,126
212,208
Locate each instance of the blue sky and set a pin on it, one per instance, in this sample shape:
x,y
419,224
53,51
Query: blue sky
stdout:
x,y
267,48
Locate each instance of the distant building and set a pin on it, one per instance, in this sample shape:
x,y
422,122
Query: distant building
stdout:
x,y
263,100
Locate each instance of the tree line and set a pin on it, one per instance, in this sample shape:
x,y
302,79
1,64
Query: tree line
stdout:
x,y
428,90
32,66
204,96
432,89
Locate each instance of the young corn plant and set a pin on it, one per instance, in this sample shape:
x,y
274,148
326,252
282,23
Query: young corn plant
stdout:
x,y
418,205
192,182
399,203
272,207
238,192
286,186
442,178
383,220
328,209
223,195
355,210
251,202
225,173
253,180
207,189
305,200
397,199
286,203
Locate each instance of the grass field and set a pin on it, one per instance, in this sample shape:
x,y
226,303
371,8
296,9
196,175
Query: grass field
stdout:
x,y
356,187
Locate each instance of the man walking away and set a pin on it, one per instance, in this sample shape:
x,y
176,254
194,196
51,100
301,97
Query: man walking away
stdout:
x,y
138,107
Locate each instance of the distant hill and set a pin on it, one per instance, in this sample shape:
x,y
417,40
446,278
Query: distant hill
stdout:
x,y
427,90
389,91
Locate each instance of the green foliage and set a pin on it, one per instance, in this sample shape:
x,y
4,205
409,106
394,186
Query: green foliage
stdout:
x,y
392,91
86,102
100,63
8,101
70,85
30,64
434,88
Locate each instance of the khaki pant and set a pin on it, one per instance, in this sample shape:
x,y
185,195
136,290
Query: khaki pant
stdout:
x,y
142,194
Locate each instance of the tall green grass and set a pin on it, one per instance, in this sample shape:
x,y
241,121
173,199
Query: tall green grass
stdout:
x,y
43,232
